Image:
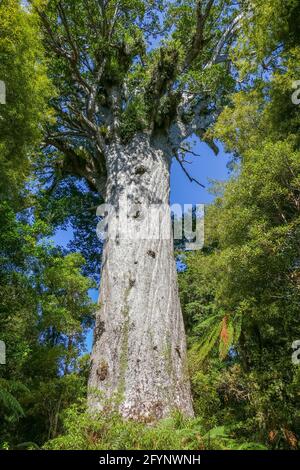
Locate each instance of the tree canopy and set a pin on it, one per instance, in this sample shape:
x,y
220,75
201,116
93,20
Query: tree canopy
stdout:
x,y
123,68
23,70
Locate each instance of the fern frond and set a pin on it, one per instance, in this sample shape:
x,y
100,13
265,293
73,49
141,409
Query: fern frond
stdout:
x,y
8,402
206,346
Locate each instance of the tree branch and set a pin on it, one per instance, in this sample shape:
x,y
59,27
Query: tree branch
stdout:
x,y
58,48
183,127
75,164
198,39
187,173
189,151
228,34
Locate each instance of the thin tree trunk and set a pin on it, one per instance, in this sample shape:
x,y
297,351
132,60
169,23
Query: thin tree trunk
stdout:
x,y
139,351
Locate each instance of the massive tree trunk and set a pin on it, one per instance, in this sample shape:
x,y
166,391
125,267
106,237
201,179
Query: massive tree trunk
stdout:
x,y
139,352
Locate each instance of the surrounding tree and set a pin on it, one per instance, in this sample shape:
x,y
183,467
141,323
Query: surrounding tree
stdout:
x,y
45,310
22,69
241,295
45,315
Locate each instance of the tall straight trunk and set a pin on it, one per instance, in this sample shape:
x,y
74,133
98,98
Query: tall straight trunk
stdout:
x,y
139,352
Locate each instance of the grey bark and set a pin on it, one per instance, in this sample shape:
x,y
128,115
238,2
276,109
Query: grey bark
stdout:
x,y
139,354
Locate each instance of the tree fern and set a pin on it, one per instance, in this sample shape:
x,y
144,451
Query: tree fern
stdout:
x,y
219,329
221,437
9,403
209,342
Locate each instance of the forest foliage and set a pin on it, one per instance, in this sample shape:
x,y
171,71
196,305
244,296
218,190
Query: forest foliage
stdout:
x,y
240,294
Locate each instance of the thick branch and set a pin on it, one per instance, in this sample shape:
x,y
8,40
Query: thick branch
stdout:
x,y
59,49
198,40
184,125
228,35
75,164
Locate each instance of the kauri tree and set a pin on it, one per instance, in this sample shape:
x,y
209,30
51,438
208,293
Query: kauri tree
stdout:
x,y
134,80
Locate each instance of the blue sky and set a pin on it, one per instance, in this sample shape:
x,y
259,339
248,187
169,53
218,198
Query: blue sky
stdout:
x,y
204,168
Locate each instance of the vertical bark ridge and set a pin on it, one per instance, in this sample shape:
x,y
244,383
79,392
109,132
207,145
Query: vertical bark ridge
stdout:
x,y
142,342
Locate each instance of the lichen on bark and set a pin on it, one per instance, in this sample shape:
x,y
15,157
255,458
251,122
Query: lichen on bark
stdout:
x,y
140,309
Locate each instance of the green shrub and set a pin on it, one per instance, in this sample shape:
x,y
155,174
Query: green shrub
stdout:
x,y
108,431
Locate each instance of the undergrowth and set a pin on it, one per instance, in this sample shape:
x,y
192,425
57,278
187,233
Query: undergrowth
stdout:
x,y
108,431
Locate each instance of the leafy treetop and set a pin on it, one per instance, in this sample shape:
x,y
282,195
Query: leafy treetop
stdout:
x,y
123,67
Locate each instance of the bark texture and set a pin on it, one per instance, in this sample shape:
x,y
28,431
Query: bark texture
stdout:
x,y
139,352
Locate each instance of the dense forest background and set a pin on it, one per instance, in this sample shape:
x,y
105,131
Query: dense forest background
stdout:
x,y
240,294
